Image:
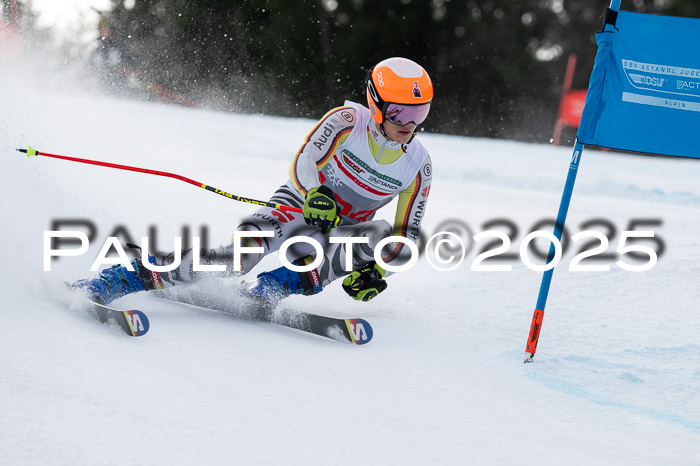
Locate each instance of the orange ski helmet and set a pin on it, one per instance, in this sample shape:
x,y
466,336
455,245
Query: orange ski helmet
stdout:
x,y
403,83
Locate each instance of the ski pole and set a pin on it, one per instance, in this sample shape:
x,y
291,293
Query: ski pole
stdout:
x,y
33,152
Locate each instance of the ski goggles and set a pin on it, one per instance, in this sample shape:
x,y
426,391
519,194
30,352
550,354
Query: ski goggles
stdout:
x,y
401,115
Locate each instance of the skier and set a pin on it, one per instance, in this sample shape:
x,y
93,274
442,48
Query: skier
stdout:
x,y
354,161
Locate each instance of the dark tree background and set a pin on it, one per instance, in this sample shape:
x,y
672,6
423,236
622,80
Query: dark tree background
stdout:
x,y
497,65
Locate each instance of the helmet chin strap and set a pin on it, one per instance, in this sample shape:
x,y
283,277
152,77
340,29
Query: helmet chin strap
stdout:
x,y
412,135
381,127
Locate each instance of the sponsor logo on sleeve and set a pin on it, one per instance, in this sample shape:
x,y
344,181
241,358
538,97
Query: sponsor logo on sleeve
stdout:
x,y
325,135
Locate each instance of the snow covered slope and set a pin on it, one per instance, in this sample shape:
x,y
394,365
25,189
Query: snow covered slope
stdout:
x,y
616,379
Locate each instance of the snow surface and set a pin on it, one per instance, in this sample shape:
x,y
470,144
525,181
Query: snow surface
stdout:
x,y
616,379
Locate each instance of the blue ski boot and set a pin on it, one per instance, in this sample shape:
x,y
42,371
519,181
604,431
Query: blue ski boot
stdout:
x,y
117,281
275,285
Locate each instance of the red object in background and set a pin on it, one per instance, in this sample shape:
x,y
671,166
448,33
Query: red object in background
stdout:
x,y
15,13
572,107
169,96
10,44
571,103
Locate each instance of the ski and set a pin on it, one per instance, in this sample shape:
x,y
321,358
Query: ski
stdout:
x,y
134,323
357,331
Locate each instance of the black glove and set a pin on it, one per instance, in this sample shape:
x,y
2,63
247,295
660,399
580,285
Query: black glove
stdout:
x,y
321,209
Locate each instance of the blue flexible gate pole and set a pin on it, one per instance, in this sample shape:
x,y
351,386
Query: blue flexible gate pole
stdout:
x,y
547,277
538,315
